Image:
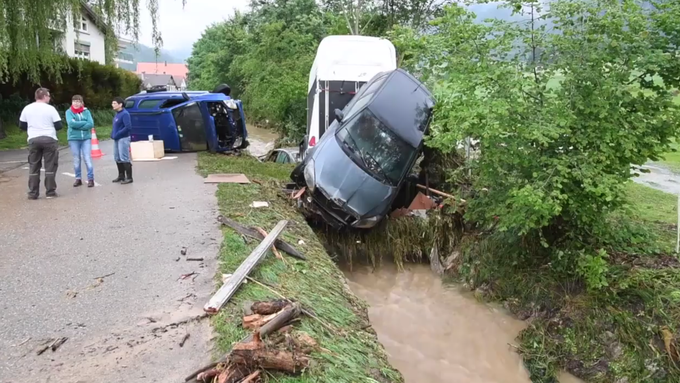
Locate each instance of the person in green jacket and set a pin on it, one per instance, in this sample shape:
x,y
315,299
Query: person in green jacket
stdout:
x,y
80,124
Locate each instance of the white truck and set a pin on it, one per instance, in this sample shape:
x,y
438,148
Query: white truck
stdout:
x,y
341,66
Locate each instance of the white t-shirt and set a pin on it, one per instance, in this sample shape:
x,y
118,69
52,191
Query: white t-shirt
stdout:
x,y
40,117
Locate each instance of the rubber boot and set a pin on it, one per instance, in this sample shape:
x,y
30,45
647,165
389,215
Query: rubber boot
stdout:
x,y
128,173
121,172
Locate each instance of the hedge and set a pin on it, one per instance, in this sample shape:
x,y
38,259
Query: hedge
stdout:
x,y
98,84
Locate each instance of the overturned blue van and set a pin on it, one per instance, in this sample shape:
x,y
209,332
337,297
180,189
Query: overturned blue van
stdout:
x,y
189,121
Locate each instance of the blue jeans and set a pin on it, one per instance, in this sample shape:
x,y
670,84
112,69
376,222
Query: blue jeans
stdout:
x,y
121,149
82,148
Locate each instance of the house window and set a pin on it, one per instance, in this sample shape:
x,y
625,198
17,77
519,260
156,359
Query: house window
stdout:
x,y
82,50
81,24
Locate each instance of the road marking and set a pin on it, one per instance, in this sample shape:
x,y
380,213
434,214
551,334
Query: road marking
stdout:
x,y
74,176
13,162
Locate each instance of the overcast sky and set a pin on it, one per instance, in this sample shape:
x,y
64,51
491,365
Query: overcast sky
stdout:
x,y
180,28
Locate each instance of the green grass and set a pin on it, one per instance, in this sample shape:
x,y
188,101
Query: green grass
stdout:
x,y
16,138
612,334
351,354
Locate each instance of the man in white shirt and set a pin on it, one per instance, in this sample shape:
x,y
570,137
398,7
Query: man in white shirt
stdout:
x,y
41,120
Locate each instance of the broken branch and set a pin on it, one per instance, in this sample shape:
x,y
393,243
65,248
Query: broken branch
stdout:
x,y
253,233
440,193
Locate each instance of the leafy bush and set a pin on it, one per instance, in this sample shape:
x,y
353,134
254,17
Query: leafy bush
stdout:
x,y
561,106
98,84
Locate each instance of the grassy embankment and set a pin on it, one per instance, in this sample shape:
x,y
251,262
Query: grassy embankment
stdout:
x,y
16,138
351,353
626,331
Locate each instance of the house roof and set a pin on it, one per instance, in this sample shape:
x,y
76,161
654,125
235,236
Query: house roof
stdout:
x,y
156,79
179,79
177,70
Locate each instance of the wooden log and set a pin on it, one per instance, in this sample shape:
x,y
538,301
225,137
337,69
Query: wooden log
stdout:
x,y
265,359
253,233
229,288
269,307
440,193
289,313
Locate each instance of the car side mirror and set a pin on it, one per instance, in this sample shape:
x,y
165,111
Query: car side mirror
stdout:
x,y
339,115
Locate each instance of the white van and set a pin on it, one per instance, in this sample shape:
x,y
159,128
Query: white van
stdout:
x,y
341,66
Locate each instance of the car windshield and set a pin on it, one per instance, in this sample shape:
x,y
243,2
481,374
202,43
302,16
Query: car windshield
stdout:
x,y
381,151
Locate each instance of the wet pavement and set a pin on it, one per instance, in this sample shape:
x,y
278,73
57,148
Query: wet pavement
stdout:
x,y
126,326
659,178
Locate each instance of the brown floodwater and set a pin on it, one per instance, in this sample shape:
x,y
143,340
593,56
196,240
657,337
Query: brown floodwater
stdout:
x,y
436,333
261,140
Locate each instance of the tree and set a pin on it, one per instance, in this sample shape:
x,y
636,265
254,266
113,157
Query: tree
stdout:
x,y
558,131
265,56
29,29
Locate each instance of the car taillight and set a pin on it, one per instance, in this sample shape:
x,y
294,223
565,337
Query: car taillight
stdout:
x,y
312,141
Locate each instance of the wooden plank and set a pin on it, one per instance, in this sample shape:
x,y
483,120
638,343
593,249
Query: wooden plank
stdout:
x,y
229,288
226,178
253,233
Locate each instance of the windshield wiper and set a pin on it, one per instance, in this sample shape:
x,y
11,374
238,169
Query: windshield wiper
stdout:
x,y
355,149
361,155
380,168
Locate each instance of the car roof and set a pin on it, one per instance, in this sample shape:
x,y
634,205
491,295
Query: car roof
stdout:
x,y
399,102
194,95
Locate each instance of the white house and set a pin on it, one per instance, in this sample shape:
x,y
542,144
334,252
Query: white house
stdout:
x,y
83,38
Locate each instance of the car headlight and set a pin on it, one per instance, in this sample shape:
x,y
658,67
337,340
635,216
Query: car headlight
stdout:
x,y
367,223
310,175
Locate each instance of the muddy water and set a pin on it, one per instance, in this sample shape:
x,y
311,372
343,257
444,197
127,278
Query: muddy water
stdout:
x,y
261,140
437,334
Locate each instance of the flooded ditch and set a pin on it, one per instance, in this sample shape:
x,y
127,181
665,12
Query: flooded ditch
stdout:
x,y
431,331
437,333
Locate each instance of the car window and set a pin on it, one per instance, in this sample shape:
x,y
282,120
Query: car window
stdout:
x,y
377,148
129,104
272,156
149,104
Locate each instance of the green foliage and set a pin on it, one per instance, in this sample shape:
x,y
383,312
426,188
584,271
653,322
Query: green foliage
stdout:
x,y
553,158
31,33
265,55
98,84
593,269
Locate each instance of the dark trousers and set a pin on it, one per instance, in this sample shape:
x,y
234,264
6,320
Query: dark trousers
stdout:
x,y
39,148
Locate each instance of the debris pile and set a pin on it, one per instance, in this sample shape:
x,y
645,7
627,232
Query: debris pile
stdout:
x,y
273,345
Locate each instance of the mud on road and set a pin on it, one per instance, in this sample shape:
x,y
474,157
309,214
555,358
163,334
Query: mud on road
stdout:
x,y
102,267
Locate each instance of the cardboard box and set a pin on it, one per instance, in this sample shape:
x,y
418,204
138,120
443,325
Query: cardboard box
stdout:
x,y
147,150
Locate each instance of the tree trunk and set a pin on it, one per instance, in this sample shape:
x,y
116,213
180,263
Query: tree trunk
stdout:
x,y
2,131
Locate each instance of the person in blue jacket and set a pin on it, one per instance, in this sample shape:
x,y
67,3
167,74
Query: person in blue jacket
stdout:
x,y
122,126
80,124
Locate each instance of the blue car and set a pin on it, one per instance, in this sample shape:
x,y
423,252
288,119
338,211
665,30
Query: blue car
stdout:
x,y
189,121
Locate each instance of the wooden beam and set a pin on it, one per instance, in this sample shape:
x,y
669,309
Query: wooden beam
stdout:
x,y
228,289
253,233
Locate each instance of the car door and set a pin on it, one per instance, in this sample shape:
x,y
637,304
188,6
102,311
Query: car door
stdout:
x,y
191,126
282,157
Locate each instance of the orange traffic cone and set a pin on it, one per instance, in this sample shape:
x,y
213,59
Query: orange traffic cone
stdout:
x,y
96,153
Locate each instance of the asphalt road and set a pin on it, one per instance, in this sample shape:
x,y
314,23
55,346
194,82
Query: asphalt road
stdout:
x,y
127,326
